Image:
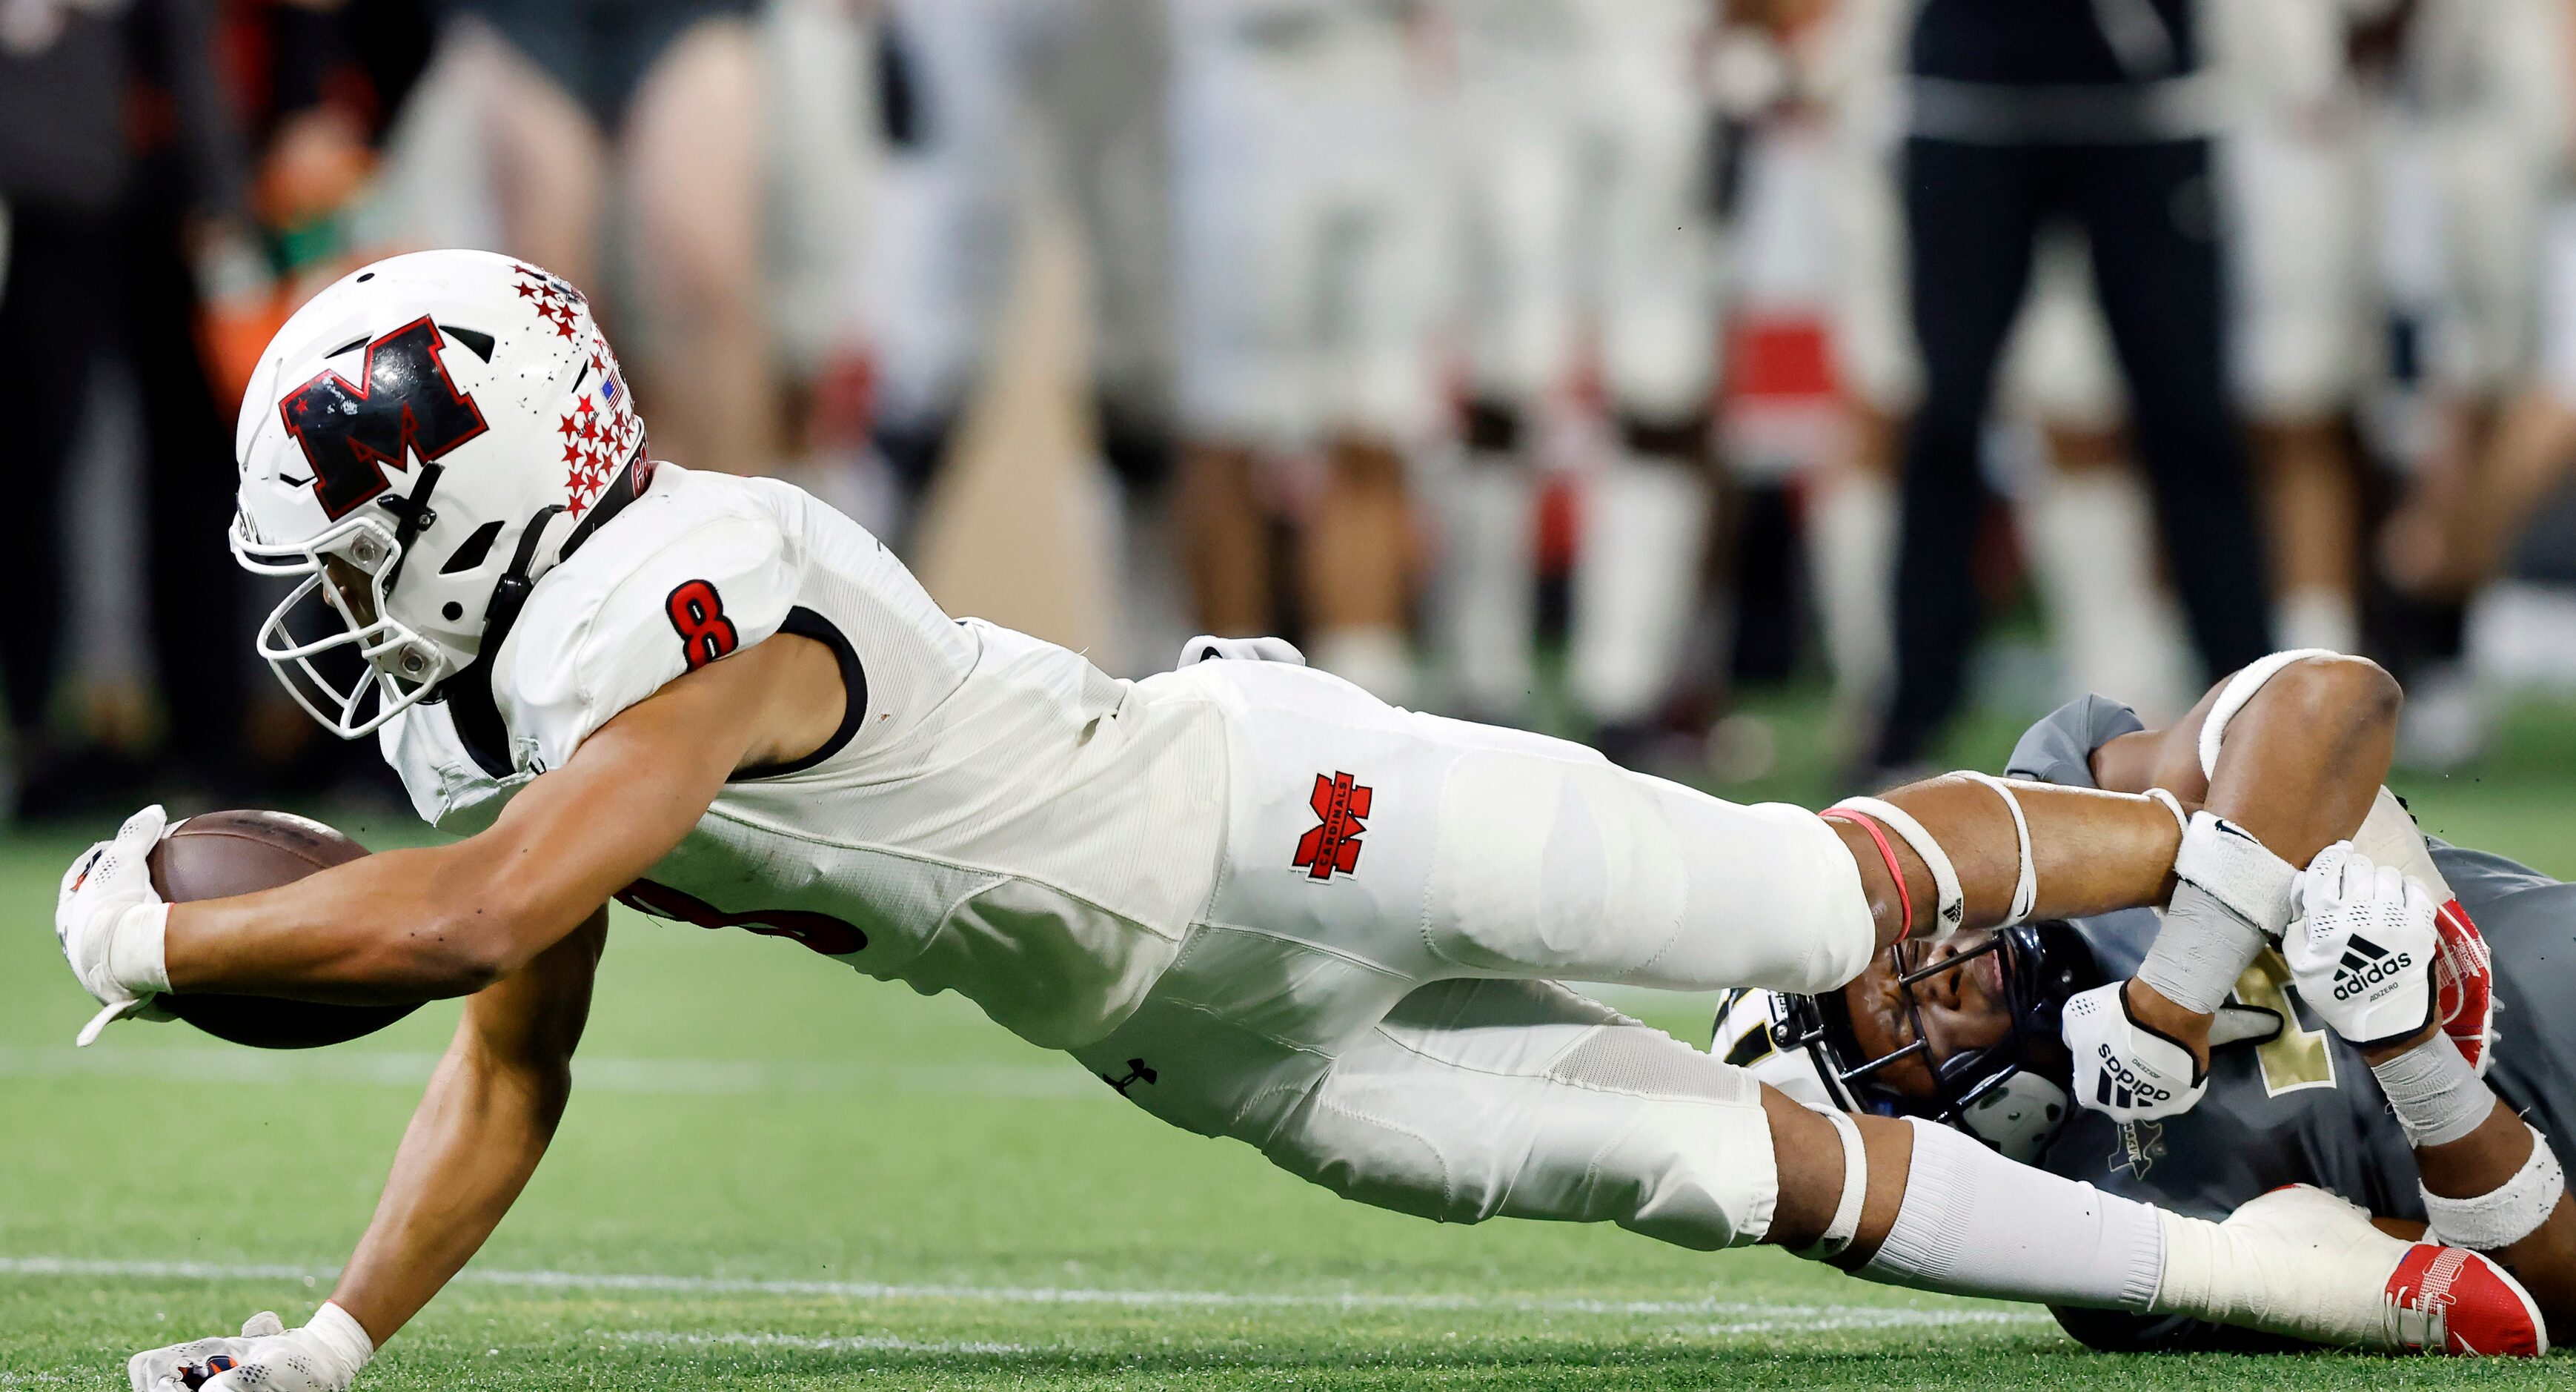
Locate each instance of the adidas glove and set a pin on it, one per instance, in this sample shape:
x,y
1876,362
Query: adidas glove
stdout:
x,y
109,922
2361,950
323,1356
2128,1072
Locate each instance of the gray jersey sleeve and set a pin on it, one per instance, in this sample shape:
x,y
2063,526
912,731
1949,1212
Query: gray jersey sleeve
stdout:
x,y
2059,749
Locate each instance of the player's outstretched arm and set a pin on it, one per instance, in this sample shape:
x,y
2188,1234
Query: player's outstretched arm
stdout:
x,y
480,1129
451,920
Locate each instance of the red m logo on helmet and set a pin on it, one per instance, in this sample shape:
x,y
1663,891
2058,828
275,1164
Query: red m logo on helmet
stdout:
x,y
403,407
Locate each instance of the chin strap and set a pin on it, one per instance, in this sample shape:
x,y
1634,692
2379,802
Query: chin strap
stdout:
x,y
412,516
511,595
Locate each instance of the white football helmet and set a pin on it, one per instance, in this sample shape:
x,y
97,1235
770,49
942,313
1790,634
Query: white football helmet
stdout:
x,y
419,443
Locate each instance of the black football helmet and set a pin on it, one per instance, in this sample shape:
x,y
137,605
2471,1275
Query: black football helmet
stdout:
x,y
2013,1094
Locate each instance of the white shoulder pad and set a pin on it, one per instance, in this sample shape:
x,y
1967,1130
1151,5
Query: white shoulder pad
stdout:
x,y
674,585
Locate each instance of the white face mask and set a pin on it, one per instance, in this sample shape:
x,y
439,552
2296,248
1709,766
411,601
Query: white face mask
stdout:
x,y
344,572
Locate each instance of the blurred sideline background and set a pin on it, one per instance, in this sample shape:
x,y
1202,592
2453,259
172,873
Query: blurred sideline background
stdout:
x,y
1784,395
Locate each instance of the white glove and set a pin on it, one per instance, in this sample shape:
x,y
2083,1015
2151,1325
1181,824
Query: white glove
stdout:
x,y
1208,648
323,1356
2128,1072
109,922
2362,948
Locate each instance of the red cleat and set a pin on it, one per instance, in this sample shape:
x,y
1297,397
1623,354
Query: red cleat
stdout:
x,y
2454,1301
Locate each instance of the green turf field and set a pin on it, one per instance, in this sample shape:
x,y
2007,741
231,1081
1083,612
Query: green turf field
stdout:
x,y
777,1173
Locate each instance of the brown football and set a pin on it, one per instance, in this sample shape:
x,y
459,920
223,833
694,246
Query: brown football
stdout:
x,y
220,854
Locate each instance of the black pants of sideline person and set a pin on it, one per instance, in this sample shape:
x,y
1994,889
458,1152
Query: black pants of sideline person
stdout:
x,y
1972,212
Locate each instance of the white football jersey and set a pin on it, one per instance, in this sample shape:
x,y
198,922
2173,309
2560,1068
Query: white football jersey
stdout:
x,y
994,816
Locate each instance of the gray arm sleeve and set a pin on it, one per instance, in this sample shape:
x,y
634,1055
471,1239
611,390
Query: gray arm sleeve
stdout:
x,y
2059,749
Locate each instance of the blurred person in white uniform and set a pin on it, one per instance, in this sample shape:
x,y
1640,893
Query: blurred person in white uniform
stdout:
x,y
2492,79
1307,221
995,112
1581,167
2296,167
990,108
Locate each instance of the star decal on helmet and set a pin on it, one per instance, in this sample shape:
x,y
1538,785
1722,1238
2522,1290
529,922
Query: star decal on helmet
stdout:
x,y
600,430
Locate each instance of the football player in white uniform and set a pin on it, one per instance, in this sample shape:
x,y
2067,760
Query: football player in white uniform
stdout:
x,y
1254,899
1303,251
1580,135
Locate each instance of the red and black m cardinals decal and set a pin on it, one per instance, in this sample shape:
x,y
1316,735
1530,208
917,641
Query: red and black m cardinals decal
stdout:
x,y
404,407
1340,803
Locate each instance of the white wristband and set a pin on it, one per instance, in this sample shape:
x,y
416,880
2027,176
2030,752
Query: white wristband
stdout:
x,y
2238,871
2507,1213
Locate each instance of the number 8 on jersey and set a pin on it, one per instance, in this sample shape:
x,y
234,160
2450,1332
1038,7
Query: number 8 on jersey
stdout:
x,y
697,612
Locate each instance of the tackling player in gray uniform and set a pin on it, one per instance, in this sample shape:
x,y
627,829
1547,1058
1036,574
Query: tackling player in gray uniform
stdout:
x,y
2290,1102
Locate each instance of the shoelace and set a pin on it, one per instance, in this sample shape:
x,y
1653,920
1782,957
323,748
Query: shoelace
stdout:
x,y
2419,1316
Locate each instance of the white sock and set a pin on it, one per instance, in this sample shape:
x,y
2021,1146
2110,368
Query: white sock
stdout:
x,y
2091,536
1854,555
2317,617
1372,657
1974,1223
1486,584
1636,583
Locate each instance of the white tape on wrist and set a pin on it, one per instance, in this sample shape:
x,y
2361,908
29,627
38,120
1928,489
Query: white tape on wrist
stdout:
x,y
2227,863
1846,1220
2507,1213
340,1334
1949,906
2240,689
135,959
2200,951
2026,884
2437,1096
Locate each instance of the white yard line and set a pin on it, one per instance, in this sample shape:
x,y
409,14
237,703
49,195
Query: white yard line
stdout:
x,y
806,1343
1728,1316
650,1077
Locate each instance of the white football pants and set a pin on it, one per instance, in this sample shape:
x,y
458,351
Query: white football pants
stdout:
x,y
1371,1000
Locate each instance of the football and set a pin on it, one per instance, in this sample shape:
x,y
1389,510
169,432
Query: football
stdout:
x,y
220,854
